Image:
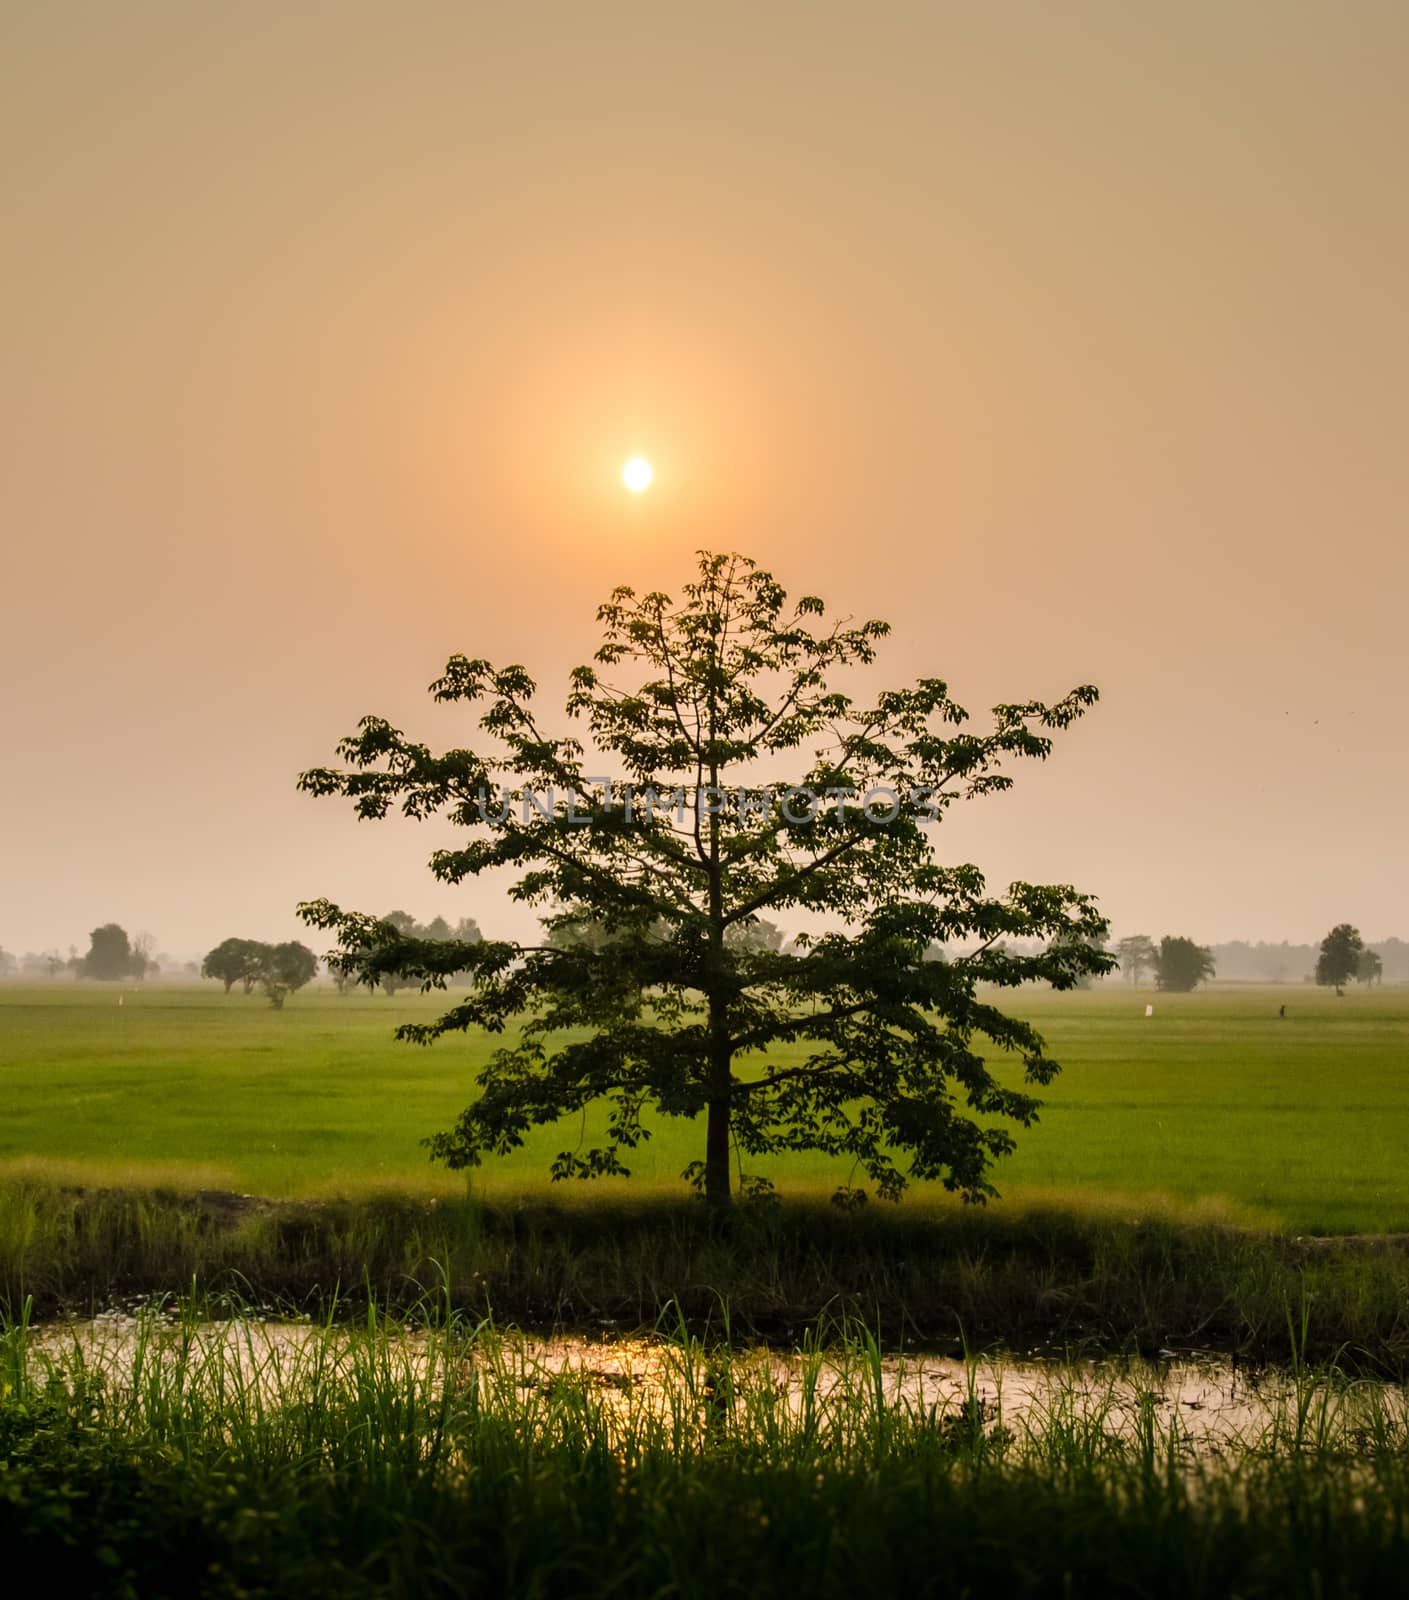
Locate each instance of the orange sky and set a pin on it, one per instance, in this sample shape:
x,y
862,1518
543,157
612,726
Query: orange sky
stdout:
x,y
1072,339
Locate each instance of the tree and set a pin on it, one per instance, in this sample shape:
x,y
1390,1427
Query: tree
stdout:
x,y
885,1069
1137,955
436,931
144,960
577,929
1071,937
405,924
235,961
111,956
756,935
46,964
284,968
1370,969
1394,958
1339,960
9,966
1181,965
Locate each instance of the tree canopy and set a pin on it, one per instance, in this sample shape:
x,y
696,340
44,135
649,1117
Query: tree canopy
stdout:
x,y
234,961
1370,968
111,955
278,969
1137,956
284,968
436,931
1181,965
731,777
1340,957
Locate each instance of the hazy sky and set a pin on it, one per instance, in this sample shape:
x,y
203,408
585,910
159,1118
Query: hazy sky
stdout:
x,y
1072,339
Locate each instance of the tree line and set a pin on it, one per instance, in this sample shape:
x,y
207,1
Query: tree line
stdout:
x,y
1179,964
281,969
436,931
1287,962
112,955
1175,963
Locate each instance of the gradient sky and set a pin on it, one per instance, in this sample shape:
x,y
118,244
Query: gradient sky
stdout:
x,y
1072,339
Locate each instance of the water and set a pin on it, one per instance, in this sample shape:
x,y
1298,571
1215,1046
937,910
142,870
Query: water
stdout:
x,y
1205,1405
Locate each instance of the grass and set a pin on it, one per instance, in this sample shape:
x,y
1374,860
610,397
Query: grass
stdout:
x,y
1213,1108
180,1460
1035,1278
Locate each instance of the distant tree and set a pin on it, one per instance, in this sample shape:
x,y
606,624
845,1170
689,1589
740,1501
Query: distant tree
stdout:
x,y
9,966
284,968
1394,953
577,928
144,962
235,961
436,931
578,932
1073,938
756,935
1339,960
46,964
405,924
1181,965
1137,956
885,1069
1370,969
111,956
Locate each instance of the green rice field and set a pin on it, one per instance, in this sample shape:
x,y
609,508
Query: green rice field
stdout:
x,y
1213,1106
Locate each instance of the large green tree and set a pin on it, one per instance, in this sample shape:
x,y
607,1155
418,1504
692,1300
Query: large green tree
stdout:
x,y
235,961
284,968
1181,965
1137,955
1339,958
747,781
111,955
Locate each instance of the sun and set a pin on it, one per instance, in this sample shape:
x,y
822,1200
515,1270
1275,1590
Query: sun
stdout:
x,y
637,474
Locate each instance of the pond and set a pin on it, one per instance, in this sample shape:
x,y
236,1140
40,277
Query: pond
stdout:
x,y
1201,1405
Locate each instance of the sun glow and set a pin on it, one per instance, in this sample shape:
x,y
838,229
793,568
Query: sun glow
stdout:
x,y
637,474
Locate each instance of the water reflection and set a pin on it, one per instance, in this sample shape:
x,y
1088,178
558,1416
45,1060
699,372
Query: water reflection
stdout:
x,y
1205,1406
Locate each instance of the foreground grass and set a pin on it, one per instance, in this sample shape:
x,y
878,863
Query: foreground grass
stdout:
x,y
441,1462
1039,1278
1302,1122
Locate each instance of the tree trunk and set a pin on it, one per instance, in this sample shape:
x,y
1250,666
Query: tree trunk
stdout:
x,y
717,1133
721,1054
717,1156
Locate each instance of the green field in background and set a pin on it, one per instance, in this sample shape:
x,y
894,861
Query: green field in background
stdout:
x,y
1213,1103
